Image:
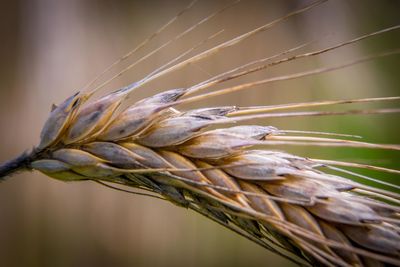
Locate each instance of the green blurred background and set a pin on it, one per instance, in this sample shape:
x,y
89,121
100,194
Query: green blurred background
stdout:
x,y
49,49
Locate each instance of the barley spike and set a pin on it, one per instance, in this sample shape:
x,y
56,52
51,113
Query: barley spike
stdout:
x,y
307,210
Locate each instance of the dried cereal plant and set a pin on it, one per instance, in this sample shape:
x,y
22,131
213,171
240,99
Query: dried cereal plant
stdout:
x,y
209,160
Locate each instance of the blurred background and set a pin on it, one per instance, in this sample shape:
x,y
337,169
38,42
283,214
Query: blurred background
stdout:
x,y
49,49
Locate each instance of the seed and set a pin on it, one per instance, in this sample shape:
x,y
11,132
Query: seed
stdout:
x,y
56,169
58,121
115,154
173,131
138,116
213,145
379,237
92,118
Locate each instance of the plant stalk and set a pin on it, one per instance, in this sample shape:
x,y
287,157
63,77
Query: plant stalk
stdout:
x,y
18,164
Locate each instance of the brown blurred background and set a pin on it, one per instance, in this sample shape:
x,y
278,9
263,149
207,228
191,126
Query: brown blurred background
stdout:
x,y
49,49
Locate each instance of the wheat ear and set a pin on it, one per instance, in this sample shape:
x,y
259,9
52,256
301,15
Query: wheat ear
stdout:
x,y
276,199
291,205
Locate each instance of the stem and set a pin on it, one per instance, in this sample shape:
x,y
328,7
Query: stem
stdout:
x,y
20,163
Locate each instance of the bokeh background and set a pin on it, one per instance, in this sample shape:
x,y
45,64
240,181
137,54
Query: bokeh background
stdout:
x,y
49,49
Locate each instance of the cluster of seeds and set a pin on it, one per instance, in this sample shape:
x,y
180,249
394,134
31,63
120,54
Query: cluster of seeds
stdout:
x,y
281,200
291,205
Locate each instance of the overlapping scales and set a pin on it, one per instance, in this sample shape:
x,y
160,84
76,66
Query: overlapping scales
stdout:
x,y
288,204
271,195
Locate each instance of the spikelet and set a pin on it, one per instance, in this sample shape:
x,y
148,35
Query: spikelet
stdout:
x,y
283,202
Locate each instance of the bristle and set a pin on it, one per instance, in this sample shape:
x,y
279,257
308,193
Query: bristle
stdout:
x,y
183,54
225,45
177,37
138,47
241,70
356,165
223,76
287,77
261,109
